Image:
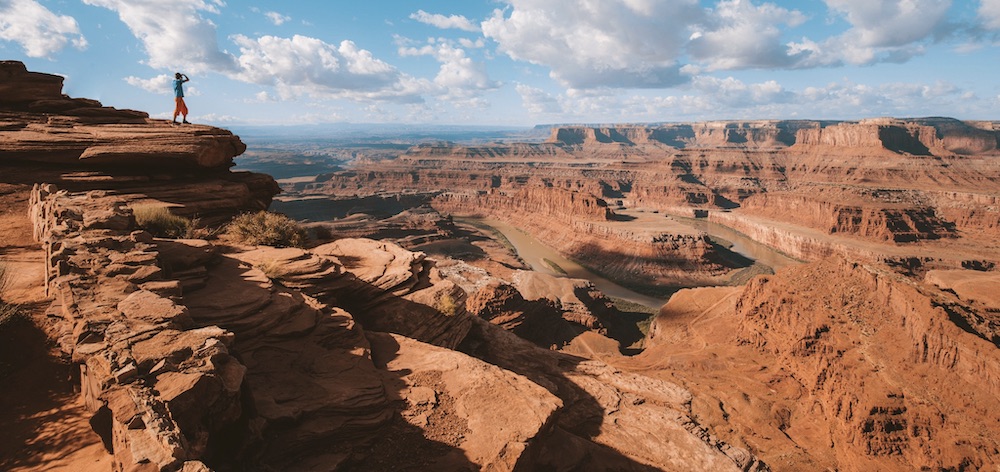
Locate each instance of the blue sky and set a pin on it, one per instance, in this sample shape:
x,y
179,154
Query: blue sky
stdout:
x,y
518,62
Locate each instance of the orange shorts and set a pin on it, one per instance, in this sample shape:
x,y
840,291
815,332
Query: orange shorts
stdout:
x,y
180,107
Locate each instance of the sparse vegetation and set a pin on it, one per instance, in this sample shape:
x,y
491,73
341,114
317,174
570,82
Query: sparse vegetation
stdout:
x,y
8,311
626,306
493,233
447,305
158,220
552,265
265,228
744,275
273,269
320,233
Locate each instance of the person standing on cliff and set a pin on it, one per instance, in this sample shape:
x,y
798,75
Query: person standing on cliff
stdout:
x,y
180,108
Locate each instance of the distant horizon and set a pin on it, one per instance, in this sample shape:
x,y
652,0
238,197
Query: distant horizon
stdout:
x,y
519,62
598,124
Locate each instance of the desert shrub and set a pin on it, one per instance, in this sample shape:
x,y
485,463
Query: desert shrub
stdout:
x,y
160,222
320,233
271,268
266,229
447,305
8,311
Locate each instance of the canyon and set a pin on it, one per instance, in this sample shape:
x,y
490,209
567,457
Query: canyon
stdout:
x,y
407,336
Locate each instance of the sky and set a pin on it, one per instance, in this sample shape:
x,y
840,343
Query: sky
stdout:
x,y
518,62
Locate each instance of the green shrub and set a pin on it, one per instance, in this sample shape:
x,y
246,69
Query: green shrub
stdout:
x,y
266,229
160,222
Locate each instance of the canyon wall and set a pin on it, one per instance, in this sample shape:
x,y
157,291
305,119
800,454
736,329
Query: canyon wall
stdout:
x,y
839,365
845,215
881,180
840,326
768,134
582,227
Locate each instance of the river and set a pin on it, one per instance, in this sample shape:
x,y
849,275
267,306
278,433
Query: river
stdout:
x,y
535,254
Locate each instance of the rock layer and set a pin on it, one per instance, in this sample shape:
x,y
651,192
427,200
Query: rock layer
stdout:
x,y
838,365
40,124
159,387
883,181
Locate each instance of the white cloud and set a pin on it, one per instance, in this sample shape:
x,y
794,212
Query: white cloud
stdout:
x,y
218,118
891,23
162,84
277,18
617,43
37,29
881,31
301,65
989,12
175,34
177,37
734,93
470,44
459,75
712,98
537,101
445,22
739,34
645,43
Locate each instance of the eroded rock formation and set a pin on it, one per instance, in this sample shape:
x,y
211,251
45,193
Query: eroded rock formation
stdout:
x,y
40,124
880,181
843,365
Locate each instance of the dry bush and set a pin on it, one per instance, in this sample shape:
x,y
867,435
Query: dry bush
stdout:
x,y
8,311
320,233
446,305
266,229
271,268
160,222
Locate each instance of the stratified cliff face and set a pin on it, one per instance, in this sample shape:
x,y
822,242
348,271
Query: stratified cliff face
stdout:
x,y
123,153
882,181
766,134
579,225
871,215
885,362
917,136
840,365
891,135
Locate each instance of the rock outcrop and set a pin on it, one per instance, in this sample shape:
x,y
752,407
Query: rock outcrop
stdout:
x,y
840,365
160,388
40,124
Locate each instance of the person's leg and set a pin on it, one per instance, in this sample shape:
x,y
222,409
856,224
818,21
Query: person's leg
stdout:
x,y
184,111
178,105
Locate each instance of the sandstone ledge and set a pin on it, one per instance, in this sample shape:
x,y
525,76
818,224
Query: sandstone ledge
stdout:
x,y
40,124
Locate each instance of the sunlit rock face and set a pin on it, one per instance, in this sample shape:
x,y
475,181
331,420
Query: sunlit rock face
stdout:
x,y
40,124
